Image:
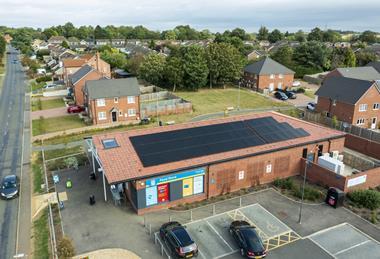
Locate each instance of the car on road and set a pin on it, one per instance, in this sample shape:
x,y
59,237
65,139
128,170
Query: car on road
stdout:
x,y
247,239
9,187
311,106
178,240
75,109
281,96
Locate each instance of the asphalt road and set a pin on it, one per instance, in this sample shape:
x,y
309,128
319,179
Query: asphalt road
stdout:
x,y
14,159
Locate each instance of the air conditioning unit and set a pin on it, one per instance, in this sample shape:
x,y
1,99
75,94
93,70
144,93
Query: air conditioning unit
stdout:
x,y
340,158
326,154
335,154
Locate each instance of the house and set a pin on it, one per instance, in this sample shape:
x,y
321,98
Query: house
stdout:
x,y
70,66
57,40
256,54
112,100
351,100
78,80
162,167
375,65
67,54
362,73
8,38
267,75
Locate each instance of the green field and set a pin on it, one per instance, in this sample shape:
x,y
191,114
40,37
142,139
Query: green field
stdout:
x,y
41,236
38,104
2,71
43,126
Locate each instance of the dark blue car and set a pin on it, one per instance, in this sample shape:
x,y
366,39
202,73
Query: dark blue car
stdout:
x,y
9,187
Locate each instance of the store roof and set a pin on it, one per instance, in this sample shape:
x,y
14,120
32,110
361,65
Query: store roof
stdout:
x,y
123,163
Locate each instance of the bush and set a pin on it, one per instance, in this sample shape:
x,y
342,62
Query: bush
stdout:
x,y
301,90
43,79
65,248
369,199
284,183
374,217
309,193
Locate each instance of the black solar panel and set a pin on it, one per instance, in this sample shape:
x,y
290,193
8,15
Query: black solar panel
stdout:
x,y
172,146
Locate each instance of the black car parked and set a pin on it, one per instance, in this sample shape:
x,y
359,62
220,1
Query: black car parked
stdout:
x,y
178,240
280,95
289,94
249,242
9,187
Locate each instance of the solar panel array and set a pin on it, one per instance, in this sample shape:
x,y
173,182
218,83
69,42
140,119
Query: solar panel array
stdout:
x,y
177,145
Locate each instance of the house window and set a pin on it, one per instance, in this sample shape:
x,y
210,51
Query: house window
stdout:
x,y
131,99
280,76
279,86
363,107
241,175
100,102
360,121
271,76
269,168
131,112
116,100
102,116
376,106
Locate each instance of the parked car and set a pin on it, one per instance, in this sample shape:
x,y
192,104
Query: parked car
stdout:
x,y
296,83
178,240
289,94
9,187
311,106
49,86
247,239
75,109
145,121
280,95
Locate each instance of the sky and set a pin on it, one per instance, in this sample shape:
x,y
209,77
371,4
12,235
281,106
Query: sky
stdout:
x,y
216,15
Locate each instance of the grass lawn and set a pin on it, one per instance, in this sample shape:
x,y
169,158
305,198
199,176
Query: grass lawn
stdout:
x,y
43,126
36,86
2,71
38,104
310,93
41,236
38,177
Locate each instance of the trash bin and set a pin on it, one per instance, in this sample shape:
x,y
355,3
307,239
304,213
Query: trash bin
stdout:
x,y
335,197
92,200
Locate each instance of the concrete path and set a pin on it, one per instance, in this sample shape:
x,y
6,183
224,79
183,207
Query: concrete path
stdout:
x,y
50,113
109,254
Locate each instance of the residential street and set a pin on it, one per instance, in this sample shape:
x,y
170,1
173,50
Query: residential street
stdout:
x,y
14,159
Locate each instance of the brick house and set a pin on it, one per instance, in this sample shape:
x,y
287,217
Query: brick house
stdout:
x,y
112,100
256,54
78,80
56,40
362,73
266,75
351,100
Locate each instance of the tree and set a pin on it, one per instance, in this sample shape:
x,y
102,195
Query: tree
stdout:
x,y
331,36
284,55
314,55
65,248
3,45
174,71
49,32
134,63
195,67
300,36
84,32
65,44
152,68
275,36
168,35
69,30
240,33
316,34
100,33
368,36
364,57
114,57
263,33
349,57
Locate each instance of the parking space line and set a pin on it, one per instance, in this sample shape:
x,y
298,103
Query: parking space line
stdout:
x,y
227,254
326,229
219,235
364,234
321,247
354,246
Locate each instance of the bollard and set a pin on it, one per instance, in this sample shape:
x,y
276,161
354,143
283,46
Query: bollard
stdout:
x,y
144,221
240,202
191,215
170,218
150,229
213,209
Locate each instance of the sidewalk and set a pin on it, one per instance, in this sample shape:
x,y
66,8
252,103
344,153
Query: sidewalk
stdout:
x,y
112,253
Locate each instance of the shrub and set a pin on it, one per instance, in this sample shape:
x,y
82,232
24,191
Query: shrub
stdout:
x,y
284,183
301,90
369,199
43,79
374,217
65,248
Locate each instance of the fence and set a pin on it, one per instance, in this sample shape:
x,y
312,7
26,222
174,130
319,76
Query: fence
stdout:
x,y
342,126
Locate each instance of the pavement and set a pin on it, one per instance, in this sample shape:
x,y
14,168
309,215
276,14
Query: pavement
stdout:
x,y
109,253
301,100
15,215
51,113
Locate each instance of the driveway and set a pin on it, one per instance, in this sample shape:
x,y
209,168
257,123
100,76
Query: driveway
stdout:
x,y
301,100
50,113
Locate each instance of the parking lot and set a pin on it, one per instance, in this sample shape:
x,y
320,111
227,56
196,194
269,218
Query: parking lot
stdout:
x,y
214,240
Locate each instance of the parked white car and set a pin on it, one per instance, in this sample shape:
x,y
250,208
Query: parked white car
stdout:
x,y
311,106
296,83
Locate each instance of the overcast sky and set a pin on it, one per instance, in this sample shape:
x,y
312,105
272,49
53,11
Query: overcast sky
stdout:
x,y
216,15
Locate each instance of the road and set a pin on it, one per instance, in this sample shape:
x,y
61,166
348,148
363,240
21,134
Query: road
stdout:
x,y
14,159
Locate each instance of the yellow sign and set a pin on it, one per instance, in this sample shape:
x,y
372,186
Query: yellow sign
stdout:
x,y
187,187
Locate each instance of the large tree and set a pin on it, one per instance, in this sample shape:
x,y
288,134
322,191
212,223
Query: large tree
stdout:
x,y
263,33
195,67
284,55
312,54
174,71
368,36
275,36
152,68
364,57
343,57
316,34
114,57
331,36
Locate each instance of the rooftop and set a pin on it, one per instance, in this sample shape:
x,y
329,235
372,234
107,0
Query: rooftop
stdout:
x,y
148,152
267,66
71,62
362,73
109,88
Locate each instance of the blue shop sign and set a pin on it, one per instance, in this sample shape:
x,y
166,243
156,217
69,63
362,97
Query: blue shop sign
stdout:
x,y
175,177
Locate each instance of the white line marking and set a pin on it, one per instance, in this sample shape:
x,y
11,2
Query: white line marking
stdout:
x,y
327,229
226,254
347,249
364,234
321,247
201,254
220,236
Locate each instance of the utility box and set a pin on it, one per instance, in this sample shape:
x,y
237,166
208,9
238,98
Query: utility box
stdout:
x,y
335,197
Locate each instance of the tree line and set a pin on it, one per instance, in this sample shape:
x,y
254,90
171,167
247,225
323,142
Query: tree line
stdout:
x,y
3,46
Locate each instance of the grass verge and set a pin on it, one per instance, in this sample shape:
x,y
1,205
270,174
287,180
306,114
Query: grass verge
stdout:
x,y
41,236
38,104
43,126
38,176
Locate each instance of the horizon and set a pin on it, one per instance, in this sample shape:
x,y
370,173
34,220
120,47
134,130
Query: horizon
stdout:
x,y
288,15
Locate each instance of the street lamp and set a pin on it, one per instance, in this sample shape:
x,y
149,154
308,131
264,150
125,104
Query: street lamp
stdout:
x,y
307,163
239,97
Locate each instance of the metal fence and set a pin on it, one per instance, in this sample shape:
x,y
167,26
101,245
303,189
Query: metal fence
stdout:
x,y
342,126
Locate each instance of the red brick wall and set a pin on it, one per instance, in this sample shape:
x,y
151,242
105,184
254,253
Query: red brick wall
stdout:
x,y
370,98
264,81
372,181
343,111
367,147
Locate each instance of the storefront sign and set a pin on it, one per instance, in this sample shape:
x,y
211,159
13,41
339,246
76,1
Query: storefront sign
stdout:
x,y
163,192
151,196
198,184
187,185
357,180
175,177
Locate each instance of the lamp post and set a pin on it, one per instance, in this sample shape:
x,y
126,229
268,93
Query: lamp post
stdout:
x,y
307,162
239,97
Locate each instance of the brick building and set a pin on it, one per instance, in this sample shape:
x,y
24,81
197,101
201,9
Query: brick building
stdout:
x,y
165,166
112,100
351,100
78,80
267,75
